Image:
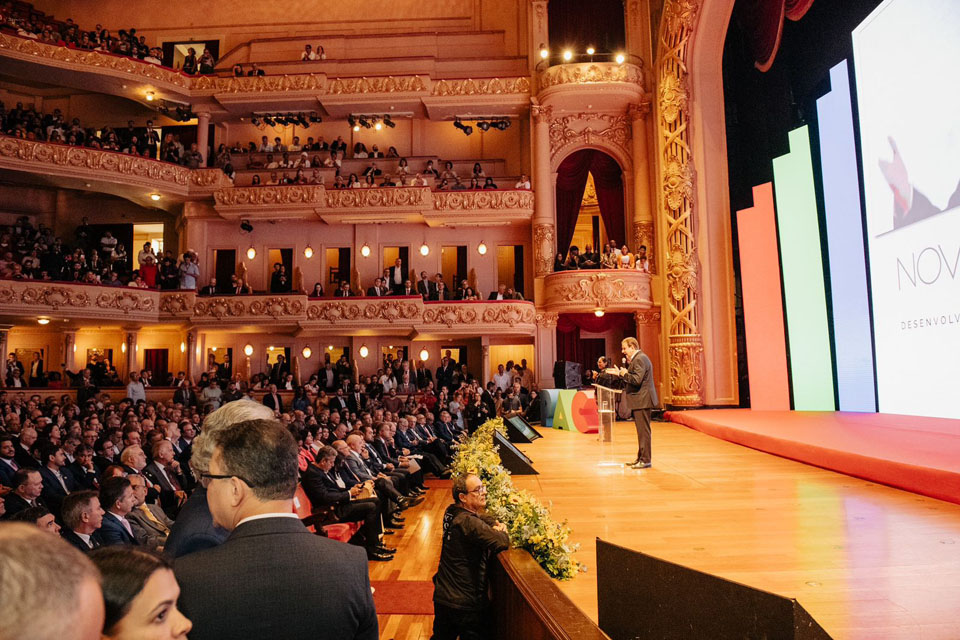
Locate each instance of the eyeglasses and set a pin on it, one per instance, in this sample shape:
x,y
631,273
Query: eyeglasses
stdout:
x,y
207,477
479,490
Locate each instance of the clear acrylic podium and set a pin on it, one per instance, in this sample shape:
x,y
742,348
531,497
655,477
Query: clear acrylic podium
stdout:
x,y
607,408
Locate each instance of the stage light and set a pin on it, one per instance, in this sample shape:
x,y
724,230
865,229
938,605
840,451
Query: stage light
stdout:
x,y
302,121
590,51
424,355
390,123
356,127
365,251
308,252
43,321
482,248
255,121
364,352
270,122
352,122
149,96
378,126
183,347
599,313
567,55
248,350
620,58
424,249
315,117
364,122
502,124
306,352
251,253
155,196
483,125
467,129
246,227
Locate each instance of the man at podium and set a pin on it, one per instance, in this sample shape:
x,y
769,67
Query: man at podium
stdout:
x,y
639,395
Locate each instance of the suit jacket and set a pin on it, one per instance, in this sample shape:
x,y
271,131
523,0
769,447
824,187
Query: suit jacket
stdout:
x,y
441,295
194,529
113,532
338,404
23,457
322,488
53,493
382,451
7,473
186,397
277,405
376,291
84,478
426,289
639,391
13,503
147,532
310,582
339,293
78,542
278,372
396,288
358,468
493,296
355,404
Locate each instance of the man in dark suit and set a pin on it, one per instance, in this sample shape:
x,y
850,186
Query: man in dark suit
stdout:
x,y
424,286
338,402
377,289
441,292
194,529
36,378
397,277
117,498
83,469
28,437
164,472
185,395
272,399
356,401
407,289
499,294
57,481
82,517
311,582
8,465
279,370
640,397
27,487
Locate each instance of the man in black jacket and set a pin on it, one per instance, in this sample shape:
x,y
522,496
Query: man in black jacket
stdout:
x,y
471,539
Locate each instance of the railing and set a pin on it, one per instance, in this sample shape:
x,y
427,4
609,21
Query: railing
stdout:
x,y
606,290
586,73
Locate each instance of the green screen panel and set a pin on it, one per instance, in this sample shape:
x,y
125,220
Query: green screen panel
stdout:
x,y
798,227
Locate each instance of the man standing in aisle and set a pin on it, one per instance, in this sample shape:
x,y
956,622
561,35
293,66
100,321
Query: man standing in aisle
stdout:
x,y
639,396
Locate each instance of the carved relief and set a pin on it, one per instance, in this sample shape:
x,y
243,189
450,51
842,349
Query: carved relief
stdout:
x,y
590,73
218,308
210,178
470,200
547,319
509,314
586,128
270,195
643,235
544,248
125,301
541,113
486,86
647,316
174,303
388,310
389,84
260,84
53,297
677,203
386,197
450,314
276,307
599,290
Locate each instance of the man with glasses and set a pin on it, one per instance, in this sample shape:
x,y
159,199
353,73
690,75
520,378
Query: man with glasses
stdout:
x,y
471,539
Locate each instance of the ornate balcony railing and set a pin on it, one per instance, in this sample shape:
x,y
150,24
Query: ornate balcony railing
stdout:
x,y
608,290
582,73
26,301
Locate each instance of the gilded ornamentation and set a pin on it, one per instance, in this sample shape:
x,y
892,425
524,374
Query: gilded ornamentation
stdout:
x,y
677,204
544,248
53,297
333,312
260,84
509,314
546,319
125,300
385,197
388,310
590,73
218,308
647,316
481,87
470,200
541,113
640,110
450,314
270,195
391,311
586,128
599,290
174,303
643,235
276,307
389,84
210,178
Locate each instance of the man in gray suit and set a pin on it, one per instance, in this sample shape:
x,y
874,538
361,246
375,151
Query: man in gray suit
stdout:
x,y
272,578
150,524
639,396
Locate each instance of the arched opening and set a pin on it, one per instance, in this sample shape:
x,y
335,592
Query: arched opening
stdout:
x,y
598,218
576,25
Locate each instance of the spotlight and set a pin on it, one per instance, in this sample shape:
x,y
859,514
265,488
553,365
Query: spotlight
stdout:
x,y
590,51
282,120
620,58
567,55
163,109
378,126
315,118
352,122
246,227
501,124
149,96
483,125
270,122
364,122
255,121
302,121
390,123
467,129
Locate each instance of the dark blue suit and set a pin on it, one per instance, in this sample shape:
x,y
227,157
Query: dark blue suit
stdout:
x,y
113,532
6,474
53,493
194,529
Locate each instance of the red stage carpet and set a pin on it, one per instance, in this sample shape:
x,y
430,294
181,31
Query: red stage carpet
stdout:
x,y
921,455
403,597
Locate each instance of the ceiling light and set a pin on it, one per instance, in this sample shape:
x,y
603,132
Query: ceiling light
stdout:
x,y
483,125
482,249
364,352
43,321
251,253
567,55
248,350
149,96
155,196
590,51
365,251
599,313
620,58
308,252
307,352
424,249
424,355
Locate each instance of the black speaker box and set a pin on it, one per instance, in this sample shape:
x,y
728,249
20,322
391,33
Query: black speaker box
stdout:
x,y
519,430
512,458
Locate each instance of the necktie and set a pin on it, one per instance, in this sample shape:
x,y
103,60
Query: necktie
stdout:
x,y
152,518
126,525
62,483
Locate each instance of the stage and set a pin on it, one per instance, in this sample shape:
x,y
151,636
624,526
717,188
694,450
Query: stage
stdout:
x,y
866,560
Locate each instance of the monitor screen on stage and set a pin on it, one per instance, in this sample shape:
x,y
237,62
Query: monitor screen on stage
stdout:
x,y
908,95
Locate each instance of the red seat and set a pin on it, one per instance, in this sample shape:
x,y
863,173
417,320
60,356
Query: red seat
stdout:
x,y
341,531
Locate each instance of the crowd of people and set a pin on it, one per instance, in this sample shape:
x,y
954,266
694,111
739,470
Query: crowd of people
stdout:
x,y
610,256
151,490
36,253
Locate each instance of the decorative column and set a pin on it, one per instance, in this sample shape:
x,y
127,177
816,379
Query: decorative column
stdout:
x,y
546,348
69,350
539,33
677,211
191,354
648,335
643,231
203,135
130,338
544,223
485,347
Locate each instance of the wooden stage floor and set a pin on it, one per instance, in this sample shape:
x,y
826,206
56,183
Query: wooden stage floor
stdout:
x,y
867,561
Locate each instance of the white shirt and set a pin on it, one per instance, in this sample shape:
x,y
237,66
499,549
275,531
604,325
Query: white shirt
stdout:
x,y
264,516
502,380
85,537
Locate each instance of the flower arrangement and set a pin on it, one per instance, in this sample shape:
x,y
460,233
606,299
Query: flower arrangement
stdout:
x,y
528,520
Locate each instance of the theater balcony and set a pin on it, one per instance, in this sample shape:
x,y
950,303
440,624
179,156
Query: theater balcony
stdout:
x,y
589,290
595,85
24,301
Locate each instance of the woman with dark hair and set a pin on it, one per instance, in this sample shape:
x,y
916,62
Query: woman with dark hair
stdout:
x,y
190,62
139,595
317,291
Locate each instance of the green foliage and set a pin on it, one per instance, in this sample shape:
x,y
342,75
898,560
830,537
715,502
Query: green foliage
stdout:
x,y
528,521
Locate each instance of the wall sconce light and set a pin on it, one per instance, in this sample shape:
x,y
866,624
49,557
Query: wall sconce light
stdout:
x,y
567,55
251,253
424,249
74,347
307,352
590,51
482,249
155,196
365,250
599,313
136,348
123,347
43,321
364,352
308,252
424,355
183,347
214,349
620,58
248,350
197,351
544,53
329,347
149,96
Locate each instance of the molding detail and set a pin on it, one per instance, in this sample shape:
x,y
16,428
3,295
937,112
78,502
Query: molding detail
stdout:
x,y
276,307
599,290
647,316
590,73
450,314
270,195
53,297
541,113
471,200
677,203
389,84
547,319
544,248
174,303
481,87
386,310
218,308
259,84
509,314
126,301
586,128
385,197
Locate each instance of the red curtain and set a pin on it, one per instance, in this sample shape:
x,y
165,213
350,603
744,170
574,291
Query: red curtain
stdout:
x,y
763,22
569,326
571,182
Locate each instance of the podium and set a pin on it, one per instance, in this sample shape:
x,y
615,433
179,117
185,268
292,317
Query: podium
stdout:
x,y
607,408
